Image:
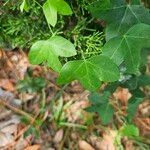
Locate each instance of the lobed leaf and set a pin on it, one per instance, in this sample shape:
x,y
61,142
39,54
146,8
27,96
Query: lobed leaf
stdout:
x,y
127,47
119,15
51,7
101,105
50,12
49,50
90,72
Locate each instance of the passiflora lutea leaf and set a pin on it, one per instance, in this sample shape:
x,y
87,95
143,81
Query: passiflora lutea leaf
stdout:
x,y
102,106
49,50
50,12
120,16
127,47
90,72
52,7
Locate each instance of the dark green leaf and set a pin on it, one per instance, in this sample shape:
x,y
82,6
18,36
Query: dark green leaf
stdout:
x,y
143,80
32,131
131,84
96,98
100,104
105,112
132,107
119,15
127,47
108,10
31,84
134,14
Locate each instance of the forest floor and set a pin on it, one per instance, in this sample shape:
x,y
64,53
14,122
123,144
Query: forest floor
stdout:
x,y
36,113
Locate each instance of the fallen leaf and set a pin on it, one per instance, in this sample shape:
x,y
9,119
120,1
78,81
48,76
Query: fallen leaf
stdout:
x,y
58,136
12,128
7,84
123,95
23,143
107,142
33,147
83,145
5,139
75,111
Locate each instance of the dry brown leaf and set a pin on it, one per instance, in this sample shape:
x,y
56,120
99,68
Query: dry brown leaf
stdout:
x,y
5,139
58,136
12,128
144,109
19,63
144,125
23,143
75,111
7,84
123,95
107,142
33,147
83,145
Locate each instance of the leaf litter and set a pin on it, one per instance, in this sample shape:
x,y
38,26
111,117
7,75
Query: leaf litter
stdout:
x,y
65,132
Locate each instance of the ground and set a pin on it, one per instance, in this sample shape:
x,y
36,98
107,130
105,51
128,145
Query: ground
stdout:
x,y
36,113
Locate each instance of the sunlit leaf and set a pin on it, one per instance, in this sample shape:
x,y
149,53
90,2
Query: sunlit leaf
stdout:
x,y
90,72
47,51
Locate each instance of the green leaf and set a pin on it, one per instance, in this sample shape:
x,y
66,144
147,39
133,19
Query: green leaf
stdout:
x,y
32,131
131,84
31,84
108,10
96,98
24,6
132,107
120,16
143,80
62,7
127,47
101,105
49,50
51,7
129,131
133,14
90,72
105,112
50,12
135,2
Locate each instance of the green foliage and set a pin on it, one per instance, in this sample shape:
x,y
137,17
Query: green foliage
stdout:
x,y
132,107
32,131
129,131
51,8
49,50
127,47
126,34
101,105
22,29
115,61
90,45
90,72
24,6
120,16
30,84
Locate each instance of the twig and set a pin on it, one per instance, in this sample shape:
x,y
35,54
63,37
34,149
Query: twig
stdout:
x,y
64,139
16,110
